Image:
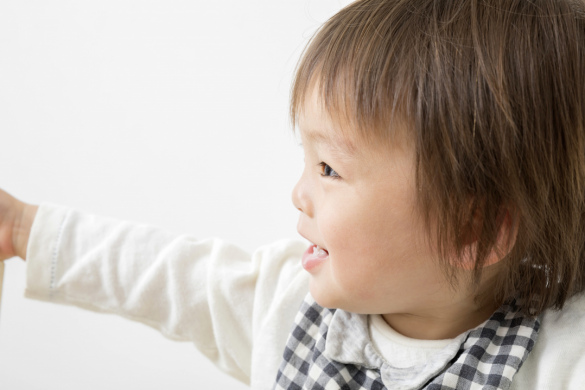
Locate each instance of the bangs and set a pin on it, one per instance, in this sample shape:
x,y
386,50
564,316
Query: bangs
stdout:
x,y
359,64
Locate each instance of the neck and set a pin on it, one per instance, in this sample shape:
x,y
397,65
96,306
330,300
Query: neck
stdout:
x,y
449,311
445,322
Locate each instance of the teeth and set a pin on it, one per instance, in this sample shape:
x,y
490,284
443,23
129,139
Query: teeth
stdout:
x,y
319,251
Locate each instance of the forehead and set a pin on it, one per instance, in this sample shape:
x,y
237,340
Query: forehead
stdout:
x,y
333,127
318,125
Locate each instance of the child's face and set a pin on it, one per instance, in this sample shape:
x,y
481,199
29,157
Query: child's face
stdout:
x,y
358,204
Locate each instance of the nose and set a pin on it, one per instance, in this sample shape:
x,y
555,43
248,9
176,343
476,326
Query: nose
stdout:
x,y
301,195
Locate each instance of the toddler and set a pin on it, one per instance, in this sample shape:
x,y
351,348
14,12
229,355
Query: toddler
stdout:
x,y
443,194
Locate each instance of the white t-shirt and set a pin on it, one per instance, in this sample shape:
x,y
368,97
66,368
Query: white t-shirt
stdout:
x,y
400,351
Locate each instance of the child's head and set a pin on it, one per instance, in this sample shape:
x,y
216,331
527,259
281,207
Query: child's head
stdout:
x,y
482,105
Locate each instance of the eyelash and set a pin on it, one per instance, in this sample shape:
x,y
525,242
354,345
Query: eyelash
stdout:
x,y
332,174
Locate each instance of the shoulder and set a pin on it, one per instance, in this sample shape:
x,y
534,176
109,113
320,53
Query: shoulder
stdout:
x,y
572,315
283,253
282,283
279,264
558,357
281,286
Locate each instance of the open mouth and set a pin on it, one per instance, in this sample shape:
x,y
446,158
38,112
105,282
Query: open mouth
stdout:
x,y
314,256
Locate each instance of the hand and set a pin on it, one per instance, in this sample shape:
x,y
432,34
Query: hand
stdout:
x,y
16,220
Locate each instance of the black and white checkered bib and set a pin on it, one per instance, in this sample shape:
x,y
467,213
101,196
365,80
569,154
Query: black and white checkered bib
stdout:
x,y
487,358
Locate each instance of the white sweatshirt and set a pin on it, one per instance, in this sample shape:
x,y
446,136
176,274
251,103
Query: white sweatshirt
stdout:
x,y
236,308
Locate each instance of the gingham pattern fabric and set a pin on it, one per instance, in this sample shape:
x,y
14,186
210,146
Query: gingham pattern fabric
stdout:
x,y
488,356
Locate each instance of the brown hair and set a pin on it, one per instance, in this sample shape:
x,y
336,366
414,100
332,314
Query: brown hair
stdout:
x,y
494,95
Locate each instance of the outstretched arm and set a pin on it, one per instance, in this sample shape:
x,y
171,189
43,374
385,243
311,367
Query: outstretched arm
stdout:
x,y
235,307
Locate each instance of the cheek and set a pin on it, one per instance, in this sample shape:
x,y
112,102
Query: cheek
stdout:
x,y
370,246
372,231
357,245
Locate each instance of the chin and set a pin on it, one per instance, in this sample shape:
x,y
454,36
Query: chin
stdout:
x,y
330,299
325,297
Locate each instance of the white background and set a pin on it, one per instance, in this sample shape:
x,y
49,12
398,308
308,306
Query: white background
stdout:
x,y
172,113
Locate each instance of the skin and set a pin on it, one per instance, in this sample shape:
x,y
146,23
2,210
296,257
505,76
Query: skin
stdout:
x,y
357,201
16,219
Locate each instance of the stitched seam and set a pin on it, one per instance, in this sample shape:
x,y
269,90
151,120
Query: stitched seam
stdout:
x,y
82,302
56,252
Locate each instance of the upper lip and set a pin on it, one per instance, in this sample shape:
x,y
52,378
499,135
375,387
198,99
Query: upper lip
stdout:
x,y
311,241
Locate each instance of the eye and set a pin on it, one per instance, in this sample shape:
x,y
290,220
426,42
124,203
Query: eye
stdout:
x,y
327,171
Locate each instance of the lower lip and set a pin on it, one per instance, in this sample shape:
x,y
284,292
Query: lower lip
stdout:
x,y
312,259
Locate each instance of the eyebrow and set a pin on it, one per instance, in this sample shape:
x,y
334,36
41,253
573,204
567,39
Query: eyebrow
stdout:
x,y
338,144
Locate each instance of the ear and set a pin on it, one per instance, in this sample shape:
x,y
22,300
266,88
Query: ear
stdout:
x,y
505,240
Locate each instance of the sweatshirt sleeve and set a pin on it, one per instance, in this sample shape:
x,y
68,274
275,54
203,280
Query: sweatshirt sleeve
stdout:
x,y
204,291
